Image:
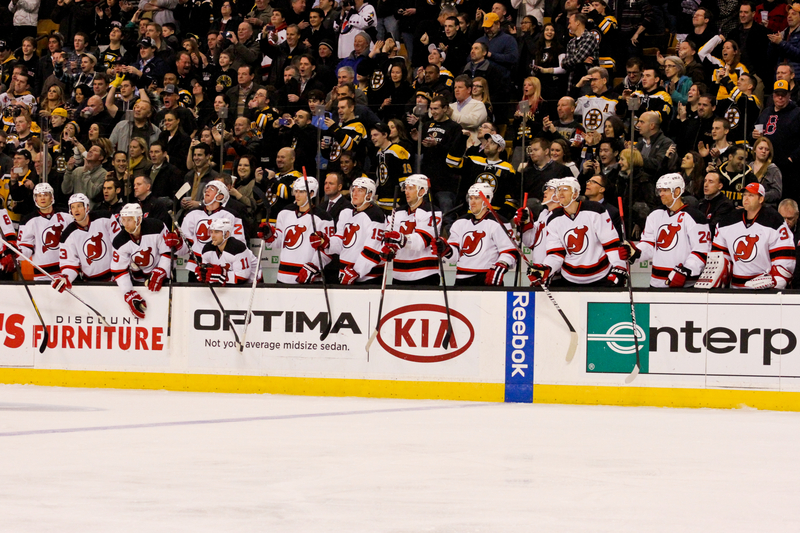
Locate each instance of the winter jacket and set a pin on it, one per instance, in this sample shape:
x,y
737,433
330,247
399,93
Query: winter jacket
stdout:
x,y
26,12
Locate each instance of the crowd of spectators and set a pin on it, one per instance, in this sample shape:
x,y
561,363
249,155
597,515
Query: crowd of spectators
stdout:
x,y
128,101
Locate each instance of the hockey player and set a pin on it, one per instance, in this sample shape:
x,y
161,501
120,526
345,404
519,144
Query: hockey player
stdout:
x,y
534,233
40,231
140,254
7,258
482,247
756,244
394,164
85,245
292,233
358,238
676,238
581,243
196,225
409,243
490,169
225,260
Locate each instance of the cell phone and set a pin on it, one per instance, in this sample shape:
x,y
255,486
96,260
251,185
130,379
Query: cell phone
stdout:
x,y
283,121
328,115
270,28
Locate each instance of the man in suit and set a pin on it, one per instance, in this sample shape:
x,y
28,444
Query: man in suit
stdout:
x,y
244,91
166,177
335,202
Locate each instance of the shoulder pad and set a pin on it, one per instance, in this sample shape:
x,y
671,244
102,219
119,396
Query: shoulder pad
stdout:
x,y
120,240
234,246
73,226
696,215
210,247
375,214
151,226
95,215
322,214
30,216
770,218
731,218
593,207
554,214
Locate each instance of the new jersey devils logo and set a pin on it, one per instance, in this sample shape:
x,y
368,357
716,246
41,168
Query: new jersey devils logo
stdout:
x,y
203,233
349,237
667,236
407,227
294,237
745,249
51,236
577,241
94,248
143,258
473,243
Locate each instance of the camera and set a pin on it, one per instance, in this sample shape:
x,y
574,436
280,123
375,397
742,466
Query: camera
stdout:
x,y
283,121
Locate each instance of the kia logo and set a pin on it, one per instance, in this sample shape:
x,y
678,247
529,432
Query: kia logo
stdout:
x,y
415,333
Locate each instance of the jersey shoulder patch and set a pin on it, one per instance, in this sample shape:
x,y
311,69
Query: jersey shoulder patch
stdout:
x,y
770,218
120,240
375,214
731,218
696,215
208,247
151,226
593,207
234,246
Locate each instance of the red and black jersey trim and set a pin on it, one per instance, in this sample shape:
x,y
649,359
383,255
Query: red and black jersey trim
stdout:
x,y
781,253
585,271
416,265
371,255
701,256
103,276
469,272
739,281
290,269
50,269
611,245
717,248
561,252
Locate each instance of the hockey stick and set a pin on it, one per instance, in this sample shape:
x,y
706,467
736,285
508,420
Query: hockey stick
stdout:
x,y
43,271
327,329
35,307
225,317
186,187
636,368
449,332
573,335
385,275
262,196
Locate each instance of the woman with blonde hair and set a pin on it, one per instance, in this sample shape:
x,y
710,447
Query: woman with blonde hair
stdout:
x,y
53,98
632,179
532,119
480,92
138,160
767,173
678,84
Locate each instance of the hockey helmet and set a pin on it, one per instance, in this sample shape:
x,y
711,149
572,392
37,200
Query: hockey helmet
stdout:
x,y
570,182
185,98
365,183
221,189
79,199
420,181
131,210
477,188
43,188
300,185
224,225
671,181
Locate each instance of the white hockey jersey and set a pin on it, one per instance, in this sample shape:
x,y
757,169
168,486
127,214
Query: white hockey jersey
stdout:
x,y
479,244
87,251
196,228
39,239
359,233
670,239
136,260
240,264
755,246
594,110
415,260
582,247
535,237
293,230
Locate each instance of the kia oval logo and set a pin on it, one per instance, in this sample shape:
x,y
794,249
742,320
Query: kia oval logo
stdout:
x,y
415,333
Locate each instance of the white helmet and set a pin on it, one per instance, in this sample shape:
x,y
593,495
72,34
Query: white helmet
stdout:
x,y
131,210
477,188
300,185
224,225
365,183
552,184
221,189
79,199
671,182
570,182
44,188
420,180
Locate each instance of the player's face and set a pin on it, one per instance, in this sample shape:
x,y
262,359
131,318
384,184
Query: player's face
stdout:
x,y
476,206
751,202
358,195
78,211
565,195
43,200
129,223
300,197
548,194
666,196
217,237
412,194
210,194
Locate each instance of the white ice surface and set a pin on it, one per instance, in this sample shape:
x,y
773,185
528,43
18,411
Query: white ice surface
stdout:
x,y
386,465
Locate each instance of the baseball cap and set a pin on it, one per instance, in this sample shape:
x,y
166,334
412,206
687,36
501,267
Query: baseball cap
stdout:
x,y
755,188
496,137
489,19
24,153
60,112
148,42
170,89
424,94
432,47
781,85
3,46
91,57
116,24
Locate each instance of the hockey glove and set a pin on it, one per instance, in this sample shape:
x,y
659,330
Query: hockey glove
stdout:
x,y
7,262
307,273
629,252
319,241
388,252
441,248
677,278
522,220
266,232
395,239
617,276
61,282
348,276
494,276
777,278
136,303
173,240
538,274
212,273
157,278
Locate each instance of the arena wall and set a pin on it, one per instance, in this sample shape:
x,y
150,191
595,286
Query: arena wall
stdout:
x,y
697,349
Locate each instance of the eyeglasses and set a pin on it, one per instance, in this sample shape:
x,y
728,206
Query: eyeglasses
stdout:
x,y
595,182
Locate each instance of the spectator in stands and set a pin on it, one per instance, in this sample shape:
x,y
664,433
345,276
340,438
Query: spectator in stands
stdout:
x,y
633,78
466,112
355,19
702,29
582,51
717,151
599,104
548,54
140,126
736,175
479,65
693,171
714,205
165,177
753,40
766,172
780,123
785,72
152,207
687,52
87,179
659,153
541,168
199,176
560,153
786,45
502,48
112,191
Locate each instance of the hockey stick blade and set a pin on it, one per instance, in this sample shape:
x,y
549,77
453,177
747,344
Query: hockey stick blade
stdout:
x,y
633,374
326,330
372,337
573,346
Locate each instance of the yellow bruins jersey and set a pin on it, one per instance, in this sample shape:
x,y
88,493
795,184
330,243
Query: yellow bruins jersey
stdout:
x,y
394,166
